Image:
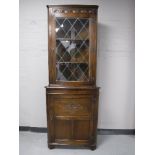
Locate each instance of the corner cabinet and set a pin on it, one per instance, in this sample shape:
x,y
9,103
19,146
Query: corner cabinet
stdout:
x,y
72,95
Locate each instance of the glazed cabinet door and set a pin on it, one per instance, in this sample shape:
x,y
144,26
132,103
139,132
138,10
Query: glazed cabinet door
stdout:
x,y
72,47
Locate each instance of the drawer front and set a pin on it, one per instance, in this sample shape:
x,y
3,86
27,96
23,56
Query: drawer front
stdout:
x,y
72,107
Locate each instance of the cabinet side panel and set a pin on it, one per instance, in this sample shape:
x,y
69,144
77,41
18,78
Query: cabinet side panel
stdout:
x,y
50,117
95,118
51,46
93,48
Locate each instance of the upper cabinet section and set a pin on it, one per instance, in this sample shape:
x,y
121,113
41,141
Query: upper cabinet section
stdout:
x,y
72,44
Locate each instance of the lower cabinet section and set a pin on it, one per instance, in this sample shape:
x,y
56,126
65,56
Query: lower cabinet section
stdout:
x,y
72,118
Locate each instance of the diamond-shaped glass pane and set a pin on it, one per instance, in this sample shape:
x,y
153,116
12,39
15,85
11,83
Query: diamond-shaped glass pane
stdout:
x,y
72,71
72,49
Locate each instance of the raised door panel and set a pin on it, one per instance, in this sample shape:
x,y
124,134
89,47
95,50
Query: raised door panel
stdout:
x,y
82,130
72,130
63,129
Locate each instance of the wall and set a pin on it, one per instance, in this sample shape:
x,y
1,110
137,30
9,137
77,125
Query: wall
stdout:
x,y
115,71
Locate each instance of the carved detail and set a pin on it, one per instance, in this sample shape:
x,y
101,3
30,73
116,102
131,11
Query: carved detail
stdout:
x,y
61,10
73,107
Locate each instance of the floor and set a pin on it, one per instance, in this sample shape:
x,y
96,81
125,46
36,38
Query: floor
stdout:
x,y
36,144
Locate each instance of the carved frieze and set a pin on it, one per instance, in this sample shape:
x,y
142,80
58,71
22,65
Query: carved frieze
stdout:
x,y
76,10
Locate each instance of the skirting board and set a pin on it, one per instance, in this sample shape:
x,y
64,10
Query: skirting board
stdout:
x,y
99,131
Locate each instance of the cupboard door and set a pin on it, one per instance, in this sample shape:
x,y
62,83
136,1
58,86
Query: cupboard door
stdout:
x,y
72,117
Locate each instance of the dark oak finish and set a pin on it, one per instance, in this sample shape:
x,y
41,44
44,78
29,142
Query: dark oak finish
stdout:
x,y
72,95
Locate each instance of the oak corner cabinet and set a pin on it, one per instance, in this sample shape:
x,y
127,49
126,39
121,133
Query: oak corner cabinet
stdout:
x,y
72,94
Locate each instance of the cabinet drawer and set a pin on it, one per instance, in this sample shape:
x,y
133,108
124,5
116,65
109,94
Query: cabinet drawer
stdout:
x,y
72,107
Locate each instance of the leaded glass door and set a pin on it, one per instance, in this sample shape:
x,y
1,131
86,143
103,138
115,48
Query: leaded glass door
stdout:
x,y
73,43
72,49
